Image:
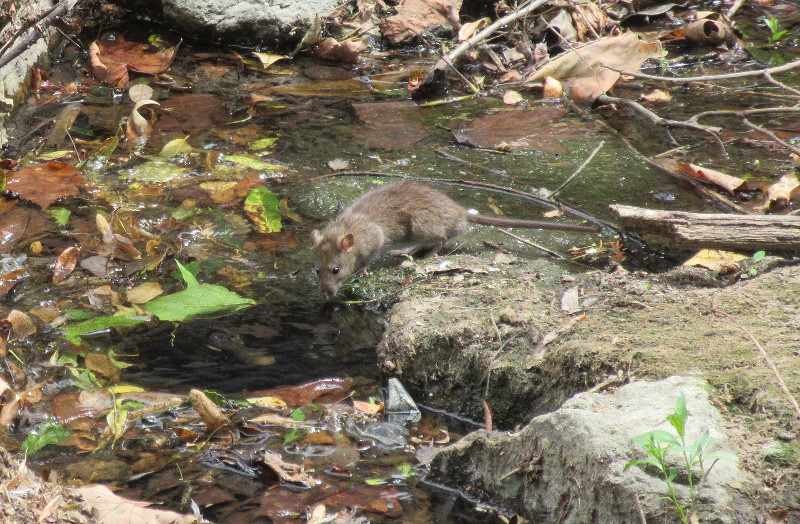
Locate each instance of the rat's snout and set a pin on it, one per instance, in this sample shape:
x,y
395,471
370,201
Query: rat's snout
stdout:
x,y
328,288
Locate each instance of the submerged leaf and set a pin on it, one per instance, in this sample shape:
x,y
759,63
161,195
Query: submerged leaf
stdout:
x,y
50,432
262,207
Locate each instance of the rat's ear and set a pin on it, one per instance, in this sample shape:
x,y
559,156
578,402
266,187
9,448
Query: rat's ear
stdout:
x,y
347,243
316,237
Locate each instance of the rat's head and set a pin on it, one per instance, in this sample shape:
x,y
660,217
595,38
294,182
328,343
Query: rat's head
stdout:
x,y
335,260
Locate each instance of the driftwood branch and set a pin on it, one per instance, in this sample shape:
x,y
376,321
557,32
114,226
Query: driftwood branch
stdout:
x,y
683,230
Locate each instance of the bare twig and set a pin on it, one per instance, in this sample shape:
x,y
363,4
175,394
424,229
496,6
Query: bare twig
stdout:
x,y
654,118
772,80
577,171
38,28
709,78
450,58
781,383
773,136
537,246
744,112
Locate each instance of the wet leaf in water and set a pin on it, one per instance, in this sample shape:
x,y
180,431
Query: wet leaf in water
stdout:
x,y
321,391
261,207
254,163
415,17
65,263
49,432
102,365
267,59
111,59
351,88
275,241
111,508
43,184
197,300
144,292
10,279
72,332
347,51
138,127
60,215
140,92
389,126
158,170
267,402
367,407
539,128
22,324
263,143
176,147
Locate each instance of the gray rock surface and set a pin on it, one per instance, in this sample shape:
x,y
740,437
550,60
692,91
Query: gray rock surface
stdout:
x,y
273,23
567,466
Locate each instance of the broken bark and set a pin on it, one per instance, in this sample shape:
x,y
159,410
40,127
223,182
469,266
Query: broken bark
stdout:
x,y
683,230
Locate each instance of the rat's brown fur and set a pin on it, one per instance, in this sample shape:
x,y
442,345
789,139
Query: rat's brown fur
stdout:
x,y
402,213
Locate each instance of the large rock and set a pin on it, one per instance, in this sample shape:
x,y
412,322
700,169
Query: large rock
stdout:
x,y
567,466
272,23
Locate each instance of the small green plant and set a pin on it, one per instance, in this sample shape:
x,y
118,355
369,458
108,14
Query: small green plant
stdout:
x,y
660,445
774,27
746,265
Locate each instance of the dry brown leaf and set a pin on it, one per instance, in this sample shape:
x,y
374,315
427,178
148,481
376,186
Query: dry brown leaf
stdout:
x,y
347,52
65,263
366,407
782,191
727,182
552,88
113,509
512,98
582,70
44,184
656,95
138,126
414,17
470,28
708,32
287,471
716,260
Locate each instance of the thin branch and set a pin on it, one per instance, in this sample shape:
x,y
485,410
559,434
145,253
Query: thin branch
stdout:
x,y
772,80
744,112
780,381
577,171
657,120
707,78
38,28
773,136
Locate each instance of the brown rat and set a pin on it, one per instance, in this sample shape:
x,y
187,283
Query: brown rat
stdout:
x,y
402,213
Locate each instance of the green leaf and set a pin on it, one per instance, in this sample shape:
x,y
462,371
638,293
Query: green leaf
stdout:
x,y
197,300
656,436
679,417
374,482
298,415
176,147
722,455
78,314
758,256
60,215
262,207
117,420
293,435
215,397
254,163
406,469
54,154
187,275
49,432
72,332
264,143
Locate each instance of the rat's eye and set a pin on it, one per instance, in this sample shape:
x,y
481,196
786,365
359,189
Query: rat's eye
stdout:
x,y
335,270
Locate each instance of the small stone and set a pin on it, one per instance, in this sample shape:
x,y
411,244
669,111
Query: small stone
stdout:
x,y
510,317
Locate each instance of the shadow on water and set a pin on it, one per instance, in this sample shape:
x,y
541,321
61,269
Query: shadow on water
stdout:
x,y
259,348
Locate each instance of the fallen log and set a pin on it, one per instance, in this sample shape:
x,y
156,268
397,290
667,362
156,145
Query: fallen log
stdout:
x,y
684,230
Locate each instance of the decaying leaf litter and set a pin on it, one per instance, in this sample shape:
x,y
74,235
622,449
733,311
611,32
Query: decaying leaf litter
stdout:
x,y
100,201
